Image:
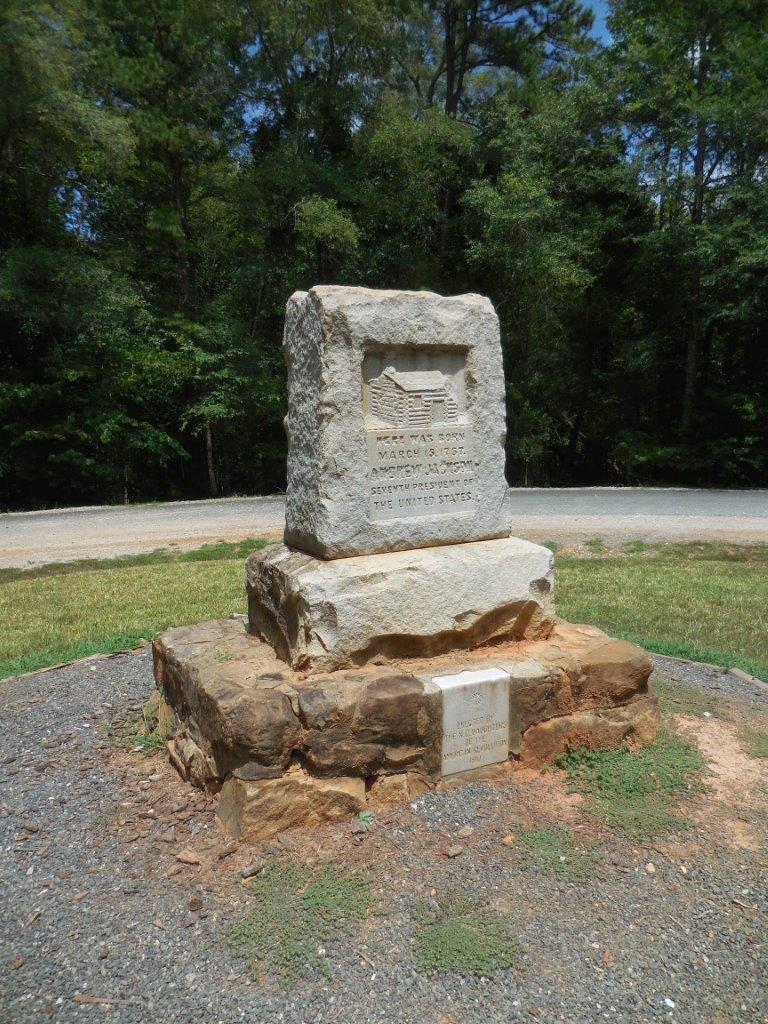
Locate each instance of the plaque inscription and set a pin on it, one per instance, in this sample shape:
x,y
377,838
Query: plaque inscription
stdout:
x,y
475,719
421,459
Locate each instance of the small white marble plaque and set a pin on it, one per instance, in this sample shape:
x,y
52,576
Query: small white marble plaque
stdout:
x,y
475,719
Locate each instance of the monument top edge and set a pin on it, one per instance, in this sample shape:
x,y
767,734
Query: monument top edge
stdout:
x,y
337,293
470,677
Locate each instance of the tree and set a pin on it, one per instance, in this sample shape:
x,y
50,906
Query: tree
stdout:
x,y
452,51
692,79
171,173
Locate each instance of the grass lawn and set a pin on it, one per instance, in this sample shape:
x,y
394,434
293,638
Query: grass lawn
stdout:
x,y
59,613
707,602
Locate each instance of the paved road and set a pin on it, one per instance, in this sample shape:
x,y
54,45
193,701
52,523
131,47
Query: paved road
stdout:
x,y
561,514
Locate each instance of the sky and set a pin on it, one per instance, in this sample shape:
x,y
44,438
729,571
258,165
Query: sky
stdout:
x,y
600,10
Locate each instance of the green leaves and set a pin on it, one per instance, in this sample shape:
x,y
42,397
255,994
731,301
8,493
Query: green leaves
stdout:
x,y
170,175
464,935
327,236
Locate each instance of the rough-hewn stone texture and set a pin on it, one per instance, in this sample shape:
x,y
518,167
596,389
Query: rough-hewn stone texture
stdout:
x,y
386,719
393,789
291,747
634,725
321,615
235,709
338,753
192,763
576,668
395,421
259,810
372,720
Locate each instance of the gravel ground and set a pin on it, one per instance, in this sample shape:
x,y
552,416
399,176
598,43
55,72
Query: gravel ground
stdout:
x,y
100,921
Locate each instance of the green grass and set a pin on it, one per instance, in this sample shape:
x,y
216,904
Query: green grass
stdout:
x,y
462,934
553,849
297,911
756,742
638,794
596,545
54,616
677,700
707,602
160,556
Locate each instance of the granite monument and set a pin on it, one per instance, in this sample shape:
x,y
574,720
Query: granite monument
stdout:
x,y
398,636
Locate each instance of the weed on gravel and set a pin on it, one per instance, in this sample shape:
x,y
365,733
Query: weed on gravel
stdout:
x,y
462,934
140,729
637,794
298,912
756,742
552,848
677,700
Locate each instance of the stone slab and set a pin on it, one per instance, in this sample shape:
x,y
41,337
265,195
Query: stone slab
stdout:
x,y
396,421
258,810
321,616
475,719
633,725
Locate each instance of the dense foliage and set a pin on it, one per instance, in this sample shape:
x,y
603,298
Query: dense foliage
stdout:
x,y
171,172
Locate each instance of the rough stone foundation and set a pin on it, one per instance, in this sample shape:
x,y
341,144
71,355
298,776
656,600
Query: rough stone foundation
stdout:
x,y
284,746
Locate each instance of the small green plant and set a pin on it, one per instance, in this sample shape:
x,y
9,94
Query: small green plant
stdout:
x,y
365,818
636,547
679,700
638,793
552,849
145,731
596,545
298,911
462,934
756,741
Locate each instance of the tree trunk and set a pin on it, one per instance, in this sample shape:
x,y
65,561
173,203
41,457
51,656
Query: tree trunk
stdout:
x,y
213,484
697,219
449,37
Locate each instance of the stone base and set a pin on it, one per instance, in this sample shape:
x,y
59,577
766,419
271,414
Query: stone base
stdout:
x,y
320,616
285,747
262,808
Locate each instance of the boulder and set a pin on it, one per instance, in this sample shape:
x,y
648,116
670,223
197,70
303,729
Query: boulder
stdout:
x,y
633,725
236,706
575,669
261,809
322,616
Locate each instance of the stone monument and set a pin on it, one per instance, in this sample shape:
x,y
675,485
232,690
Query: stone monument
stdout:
x,y
399,635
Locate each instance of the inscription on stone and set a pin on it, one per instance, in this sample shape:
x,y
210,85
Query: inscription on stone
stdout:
x,y
475,719
421,458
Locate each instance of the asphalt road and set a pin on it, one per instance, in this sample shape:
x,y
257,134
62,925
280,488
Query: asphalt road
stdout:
x,y
561,514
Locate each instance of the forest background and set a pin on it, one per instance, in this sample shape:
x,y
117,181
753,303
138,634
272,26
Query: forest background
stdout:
x,y
172,170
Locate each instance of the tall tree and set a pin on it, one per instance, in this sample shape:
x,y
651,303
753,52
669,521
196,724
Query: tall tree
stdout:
x,y
692,77
453,52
